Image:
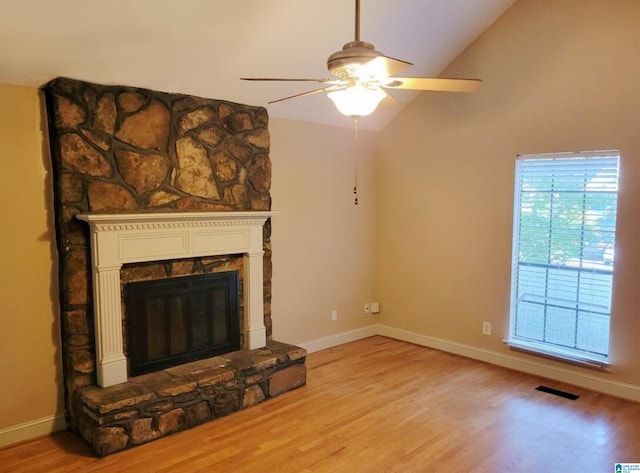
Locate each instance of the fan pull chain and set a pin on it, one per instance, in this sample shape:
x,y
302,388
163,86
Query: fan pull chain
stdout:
x,y
355,162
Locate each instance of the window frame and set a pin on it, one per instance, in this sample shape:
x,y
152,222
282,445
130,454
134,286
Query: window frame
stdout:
x,y
544,348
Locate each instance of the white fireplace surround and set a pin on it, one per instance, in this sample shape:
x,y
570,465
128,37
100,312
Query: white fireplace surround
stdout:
x,y
117,239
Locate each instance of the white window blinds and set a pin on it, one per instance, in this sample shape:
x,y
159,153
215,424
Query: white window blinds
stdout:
x,y
563,254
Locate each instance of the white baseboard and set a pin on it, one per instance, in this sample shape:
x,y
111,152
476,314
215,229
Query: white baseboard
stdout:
x,y
32,429
339,339
583,380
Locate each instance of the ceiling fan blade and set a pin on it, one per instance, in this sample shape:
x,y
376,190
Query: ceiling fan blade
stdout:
x,y
311,92
433,83
383,66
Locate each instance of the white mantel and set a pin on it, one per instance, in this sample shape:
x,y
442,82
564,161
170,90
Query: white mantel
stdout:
x,y
117,239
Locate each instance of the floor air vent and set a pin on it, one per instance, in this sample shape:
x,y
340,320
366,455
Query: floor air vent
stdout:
x,y
557,392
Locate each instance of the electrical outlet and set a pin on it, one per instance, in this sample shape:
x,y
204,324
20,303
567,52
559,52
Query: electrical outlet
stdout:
x,y
334,315
486,328
367,308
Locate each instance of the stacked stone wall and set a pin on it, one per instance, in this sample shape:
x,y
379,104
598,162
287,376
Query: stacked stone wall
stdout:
x,y
124,149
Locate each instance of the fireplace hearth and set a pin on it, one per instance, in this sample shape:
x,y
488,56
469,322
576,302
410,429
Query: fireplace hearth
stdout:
x,y
158,404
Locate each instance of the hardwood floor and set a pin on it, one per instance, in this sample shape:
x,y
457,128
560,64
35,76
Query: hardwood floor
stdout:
x,y
381,405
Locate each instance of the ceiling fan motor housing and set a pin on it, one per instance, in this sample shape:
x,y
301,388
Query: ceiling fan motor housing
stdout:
x,y
353,55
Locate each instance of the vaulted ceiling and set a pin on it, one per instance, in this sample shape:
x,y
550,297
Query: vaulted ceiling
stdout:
x,y
203,47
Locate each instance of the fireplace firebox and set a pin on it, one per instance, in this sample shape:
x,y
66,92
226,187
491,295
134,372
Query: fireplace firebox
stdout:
x,y
177,320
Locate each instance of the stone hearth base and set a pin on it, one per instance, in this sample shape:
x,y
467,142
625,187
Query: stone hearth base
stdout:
x,y
154,405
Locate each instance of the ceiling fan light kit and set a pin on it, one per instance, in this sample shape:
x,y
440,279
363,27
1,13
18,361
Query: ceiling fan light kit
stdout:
x,y
357,100
362,73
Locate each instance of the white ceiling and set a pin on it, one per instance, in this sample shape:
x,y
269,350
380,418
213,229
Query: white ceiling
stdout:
x,y
203,47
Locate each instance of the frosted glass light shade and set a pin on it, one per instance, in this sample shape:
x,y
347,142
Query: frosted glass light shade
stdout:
x,y
357,100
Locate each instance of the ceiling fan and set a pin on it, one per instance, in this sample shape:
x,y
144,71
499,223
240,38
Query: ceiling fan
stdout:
x,y
362,75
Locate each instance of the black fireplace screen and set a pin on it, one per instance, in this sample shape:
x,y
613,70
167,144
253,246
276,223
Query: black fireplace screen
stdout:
x,y
178,320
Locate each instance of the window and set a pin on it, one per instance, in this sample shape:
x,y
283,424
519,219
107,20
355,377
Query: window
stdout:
x,y
563,254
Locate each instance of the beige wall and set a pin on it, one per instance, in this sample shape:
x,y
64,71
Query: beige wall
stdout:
x,y
323,244
30,361
557,76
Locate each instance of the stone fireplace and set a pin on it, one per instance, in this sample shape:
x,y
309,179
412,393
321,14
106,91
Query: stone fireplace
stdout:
x,y
151,185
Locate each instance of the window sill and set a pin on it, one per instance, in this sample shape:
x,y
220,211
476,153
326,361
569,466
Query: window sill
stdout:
x,y
597,363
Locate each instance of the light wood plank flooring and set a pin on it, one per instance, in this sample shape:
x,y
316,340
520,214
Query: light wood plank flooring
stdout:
x,y
381,405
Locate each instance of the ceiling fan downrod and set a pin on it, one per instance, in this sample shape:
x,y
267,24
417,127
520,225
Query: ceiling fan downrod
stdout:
x,y
357,35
